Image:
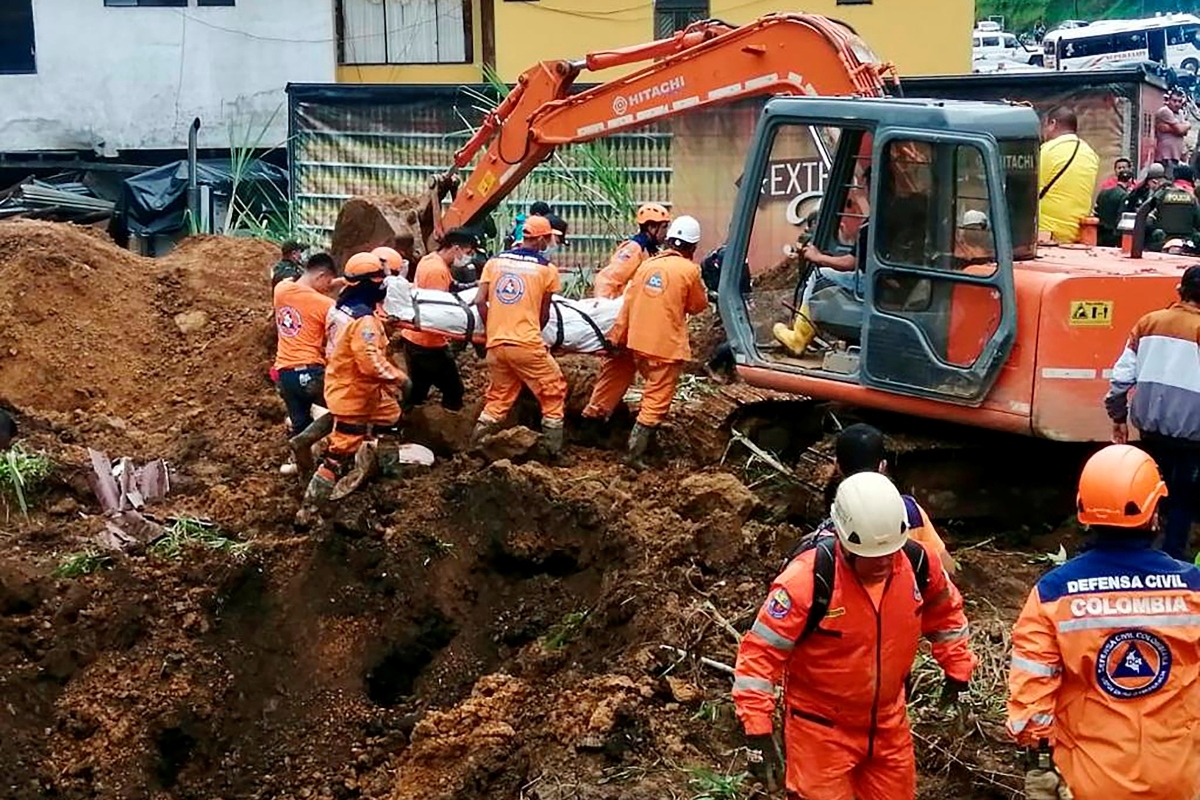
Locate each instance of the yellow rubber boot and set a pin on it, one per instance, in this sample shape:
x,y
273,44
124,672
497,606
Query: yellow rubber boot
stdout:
x,y
797,338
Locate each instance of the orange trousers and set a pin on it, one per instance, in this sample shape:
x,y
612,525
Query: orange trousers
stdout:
x,y
616,376
827,763
511,366
349,430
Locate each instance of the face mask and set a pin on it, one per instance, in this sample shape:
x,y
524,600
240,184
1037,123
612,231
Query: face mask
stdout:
x,y
551,250
461,261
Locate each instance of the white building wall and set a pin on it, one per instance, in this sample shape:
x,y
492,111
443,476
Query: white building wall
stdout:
x,y
134,78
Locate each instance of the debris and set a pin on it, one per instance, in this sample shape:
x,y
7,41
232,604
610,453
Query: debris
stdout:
x,y
708,662
122,488
509,443
684,692
190,322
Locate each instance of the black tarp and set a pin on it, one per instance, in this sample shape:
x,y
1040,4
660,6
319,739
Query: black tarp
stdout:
x,y
154,202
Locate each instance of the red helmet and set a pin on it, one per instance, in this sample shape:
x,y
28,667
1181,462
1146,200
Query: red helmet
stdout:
x,y
1120,487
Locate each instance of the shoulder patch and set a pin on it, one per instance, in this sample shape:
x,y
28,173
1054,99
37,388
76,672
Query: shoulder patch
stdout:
x,y
779,604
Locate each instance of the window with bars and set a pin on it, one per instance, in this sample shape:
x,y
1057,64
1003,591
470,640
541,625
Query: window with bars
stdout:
x,y
16,38
675,15
404,31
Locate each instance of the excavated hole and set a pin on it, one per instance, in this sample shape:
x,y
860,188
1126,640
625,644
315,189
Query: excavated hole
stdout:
x,y
393,675
556,564
174,746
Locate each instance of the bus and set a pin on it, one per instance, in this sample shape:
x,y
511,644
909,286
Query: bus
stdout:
x,y
1171,39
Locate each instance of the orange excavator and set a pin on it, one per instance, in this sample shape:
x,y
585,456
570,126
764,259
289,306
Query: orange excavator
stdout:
x,y
951,312
706,64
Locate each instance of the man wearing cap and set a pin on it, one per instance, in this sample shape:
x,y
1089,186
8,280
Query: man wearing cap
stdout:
x,y
514,296
652,329
1169,131
430,362
1159,364
1145,189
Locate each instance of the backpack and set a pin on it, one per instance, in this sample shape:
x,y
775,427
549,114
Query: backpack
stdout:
x,y
824,570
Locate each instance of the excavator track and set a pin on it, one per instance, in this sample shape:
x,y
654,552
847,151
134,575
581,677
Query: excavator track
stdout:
x,y
956,473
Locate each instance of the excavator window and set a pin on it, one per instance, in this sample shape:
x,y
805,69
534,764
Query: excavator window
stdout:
x,y
796,178
934,216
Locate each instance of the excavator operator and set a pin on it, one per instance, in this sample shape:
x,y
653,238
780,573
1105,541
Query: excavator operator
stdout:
x,y
842,269
652,220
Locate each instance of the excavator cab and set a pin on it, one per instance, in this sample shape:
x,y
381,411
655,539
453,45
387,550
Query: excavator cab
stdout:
x,y
926,206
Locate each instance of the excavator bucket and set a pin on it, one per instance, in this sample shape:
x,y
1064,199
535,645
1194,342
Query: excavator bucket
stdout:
x,y
407,223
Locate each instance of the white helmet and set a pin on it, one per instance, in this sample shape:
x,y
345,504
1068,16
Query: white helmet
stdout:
x,y
686,229
869,515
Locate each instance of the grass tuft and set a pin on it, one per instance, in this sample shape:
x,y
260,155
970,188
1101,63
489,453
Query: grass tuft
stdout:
x,y
187,532
563,633
712,785
84,562
21,474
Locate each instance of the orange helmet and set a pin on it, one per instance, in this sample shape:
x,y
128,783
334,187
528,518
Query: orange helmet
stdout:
x,y
364,267
1119,487
393,260
652,212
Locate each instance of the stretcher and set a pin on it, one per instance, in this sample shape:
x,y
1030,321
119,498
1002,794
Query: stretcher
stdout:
x,y
575,326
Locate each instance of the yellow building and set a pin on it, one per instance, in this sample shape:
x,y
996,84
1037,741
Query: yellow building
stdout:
x,y
451,41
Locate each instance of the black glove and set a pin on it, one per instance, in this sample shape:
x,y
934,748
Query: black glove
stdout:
x,y
766,764
480,350
951,690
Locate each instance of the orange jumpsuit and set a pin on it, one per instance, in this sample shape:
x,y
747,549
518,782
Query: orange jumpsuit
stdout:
x,y
1105,661
652,327
517,282
845,722
360,382
612,280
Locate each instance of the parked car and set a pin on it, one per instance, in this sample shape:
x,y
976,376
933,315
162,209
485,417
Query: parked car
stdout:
x,y
989,44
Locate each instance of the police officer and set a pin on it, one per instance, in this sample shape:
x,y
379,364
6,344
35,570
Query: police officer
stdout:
x,y
1106,652
1176,212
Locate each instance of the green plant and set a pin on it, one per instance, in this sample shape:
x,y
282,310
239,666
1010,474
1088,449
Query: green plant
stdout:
x,y
257,208
709,711
84,562
565,631
21,474
712,785
188,532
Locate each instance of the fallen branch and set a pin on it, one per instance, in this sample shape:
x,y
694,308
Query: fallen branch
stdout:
x,y
764,456
708,662
990,777
711,609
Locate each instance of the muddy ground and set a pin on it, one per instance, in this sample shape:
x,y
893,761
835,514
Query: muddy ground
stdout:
x,y
470,631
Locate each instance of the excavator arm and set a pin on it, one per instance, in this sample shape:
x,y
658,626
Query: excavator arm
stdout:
x,y
705,64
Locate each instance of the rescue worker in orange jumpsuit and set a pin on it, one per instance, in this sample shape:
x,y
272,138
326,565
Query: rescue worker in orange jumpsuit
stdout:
x,y
300,308
361,383
652,330
861,448
391,260
430,362
652,220
1106,652
845,722
513,300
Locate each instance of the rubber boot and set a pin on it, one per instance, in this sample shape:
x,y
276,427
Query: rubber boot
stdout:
x,y
366,464
639,442
483,429
302,443
799,336
552,438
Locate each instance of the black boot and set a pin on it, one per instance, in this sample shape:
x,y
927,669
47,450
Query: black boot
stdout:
x,y
303,442
639,442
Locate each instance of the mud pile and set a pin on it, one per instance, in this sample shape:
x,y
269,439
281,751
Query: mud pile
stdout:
x,y
472,631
